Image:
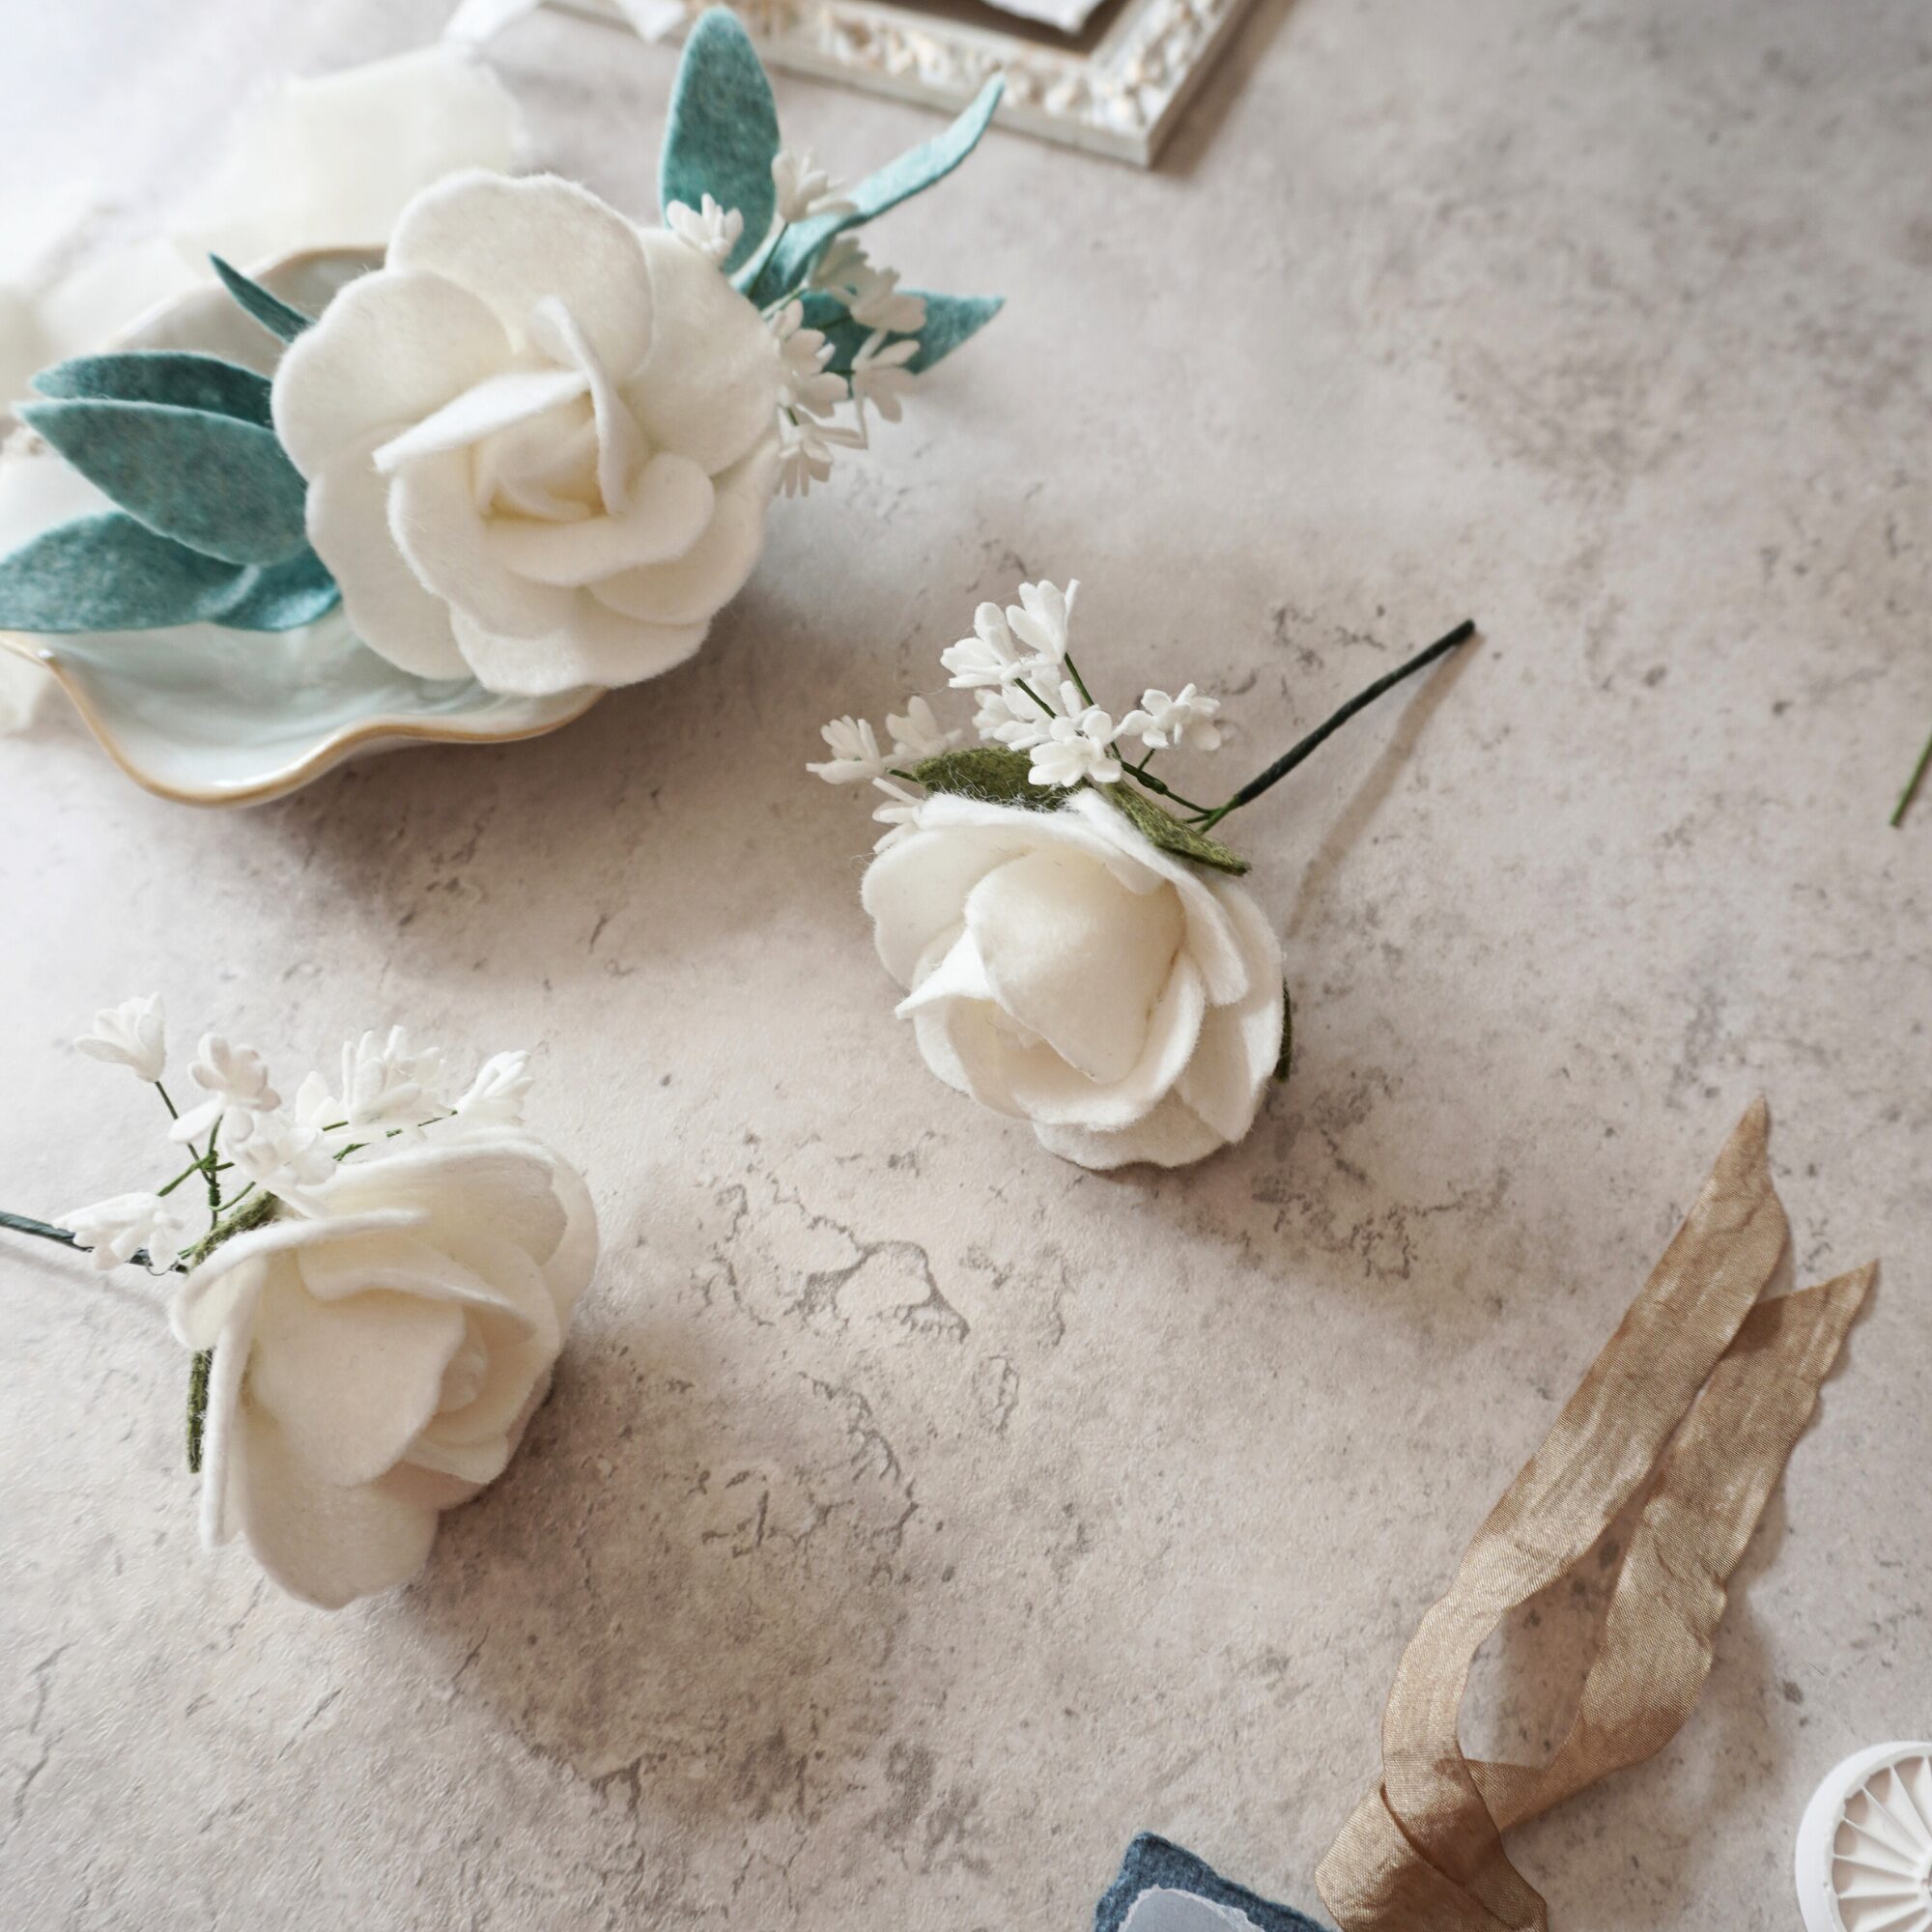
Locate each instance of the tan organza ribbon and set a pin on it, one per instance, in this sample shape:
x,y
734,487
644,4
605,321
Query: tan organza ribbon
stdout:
x,y
1698,1358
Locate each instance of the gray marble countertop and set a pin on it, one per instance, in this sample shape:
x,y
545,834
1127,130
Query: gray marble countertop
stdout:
x,y
916,1517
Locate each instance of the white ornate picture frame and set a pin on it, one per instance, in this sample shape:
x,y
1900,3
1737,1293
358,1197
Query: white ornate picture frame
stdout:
x,y
1119,94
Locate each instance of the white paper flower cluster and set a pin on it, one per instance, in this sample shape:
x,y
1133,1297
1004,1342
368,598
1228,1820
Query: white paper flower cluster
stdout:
x,y
378,1277
1072,955
1031,698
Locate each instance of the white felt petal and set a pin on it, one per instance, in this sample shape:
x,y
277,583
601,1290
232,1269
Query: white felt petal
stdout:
x,y
968,1044
957,974
1074,958
434,519
1053,1094
389,350
1210,932
1128,860
710,387
329,162
916,889
569,1269
219,1420
669,505
386,604
332,1270
502,1183
322,1543
204,1296
597,646
1172,1135
350,1381
1241,1042
714,569
518,242
472,1463
497,403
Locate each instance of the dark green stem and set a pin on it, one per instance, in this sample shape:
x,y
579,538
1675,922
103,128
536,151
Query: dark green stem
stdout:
x,y
1323,732
1141,775
22,1224
1912,786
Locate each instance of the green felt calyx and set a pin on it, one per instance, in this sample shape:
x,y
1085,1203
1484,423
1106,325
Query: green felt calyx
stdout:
x,y
208,523
998,775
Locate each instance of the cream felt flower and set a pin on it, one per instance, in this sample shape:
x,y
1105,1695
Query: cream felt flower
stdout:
x,y
377,1358
539,442
1062,968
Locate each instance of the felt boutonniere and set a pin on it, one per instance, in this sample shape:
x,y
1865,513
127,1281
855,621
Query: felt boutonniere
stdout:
x,y
537,444
372,1281
1067,927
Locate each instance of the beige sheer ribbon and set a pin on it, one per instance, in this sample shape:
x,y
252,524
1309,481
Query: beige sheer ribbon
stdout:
x,y
1708,1388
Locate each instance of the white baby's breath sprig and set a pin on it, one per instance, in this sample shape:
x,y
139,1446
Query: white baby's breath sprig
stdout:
x,y
711,230
882,304
988,657
804,383
855,756
900,813
133,1035
1076,751
1188,719
804,189
1041,619
880,375
235,1082
114,1231
919,734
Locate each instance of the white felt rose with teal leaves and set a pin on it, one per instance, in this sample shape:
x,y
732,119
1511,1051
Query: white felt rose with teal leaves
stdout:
x,y
537,445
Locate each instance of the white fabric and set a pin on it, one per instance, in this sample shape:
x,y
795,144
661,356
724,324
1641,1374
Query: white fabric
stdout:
x,y
1165,1909
326,162
1062,969
579,450
379,1361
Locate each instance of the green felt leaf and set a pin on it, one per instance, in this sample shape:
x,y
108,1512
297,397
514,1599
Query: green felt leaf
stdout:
x,y
223,487
911,174
722,133
1285,1056
949,320
994,773
179,376
282,320
1169,833
110,573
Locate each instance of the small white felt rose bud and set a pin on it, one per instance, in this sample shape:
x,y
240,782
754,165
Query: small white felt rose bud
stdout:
x,y
133,1035
379,1354
1063,969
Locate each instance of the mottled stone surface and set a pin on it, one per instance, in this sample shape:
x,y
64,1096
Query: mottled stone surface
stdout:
x,y
917,1517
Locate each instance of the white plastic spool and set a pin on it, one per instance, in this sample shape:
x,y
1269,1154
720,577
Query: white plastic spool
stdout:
x,y
1864,1848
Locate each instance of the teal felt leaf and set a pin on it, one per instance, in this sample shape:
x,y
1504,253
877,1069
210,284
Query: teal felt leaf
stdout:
x,y
1170,834
179,376
911,174
282,320
219,485
994,773
949,320
110,573
722,134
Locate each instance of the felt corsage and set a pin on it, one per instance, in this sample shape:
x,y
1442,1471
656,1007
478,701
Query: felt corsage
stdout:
x,y
374,1280
536,446
1074,948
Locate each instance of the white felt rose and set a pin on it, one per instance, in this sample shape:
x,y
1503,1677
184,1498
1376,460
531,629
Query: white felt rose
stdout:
x,y
1063,969
539,442
377,1360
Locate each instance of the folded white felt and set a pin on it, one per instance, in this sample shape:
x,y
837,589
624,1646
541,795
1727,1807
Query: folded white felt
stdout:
x,y
377,1361
1166,1910
325,162
540,444
1063,969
